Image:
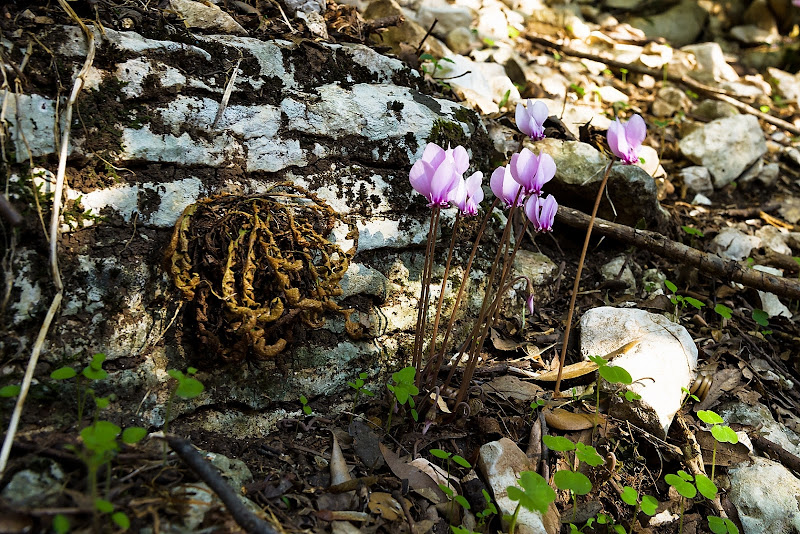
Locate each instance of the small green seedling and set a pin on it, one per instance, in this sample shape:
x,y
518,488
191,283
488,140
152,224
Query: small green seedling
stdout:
x,y
188,388
488,511
720,525
403,389
722,433
613,374
682,482
92,372
359,388
624,73
688,395
577,483
448,456
646,504
60,524
762,318
504,100
533,492
679,300
692,231
304,403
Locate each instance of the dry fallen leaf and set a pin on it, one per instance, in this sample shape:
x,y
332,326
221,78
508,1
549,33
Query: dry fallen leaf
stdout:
x,y
384,504
561,419
417,480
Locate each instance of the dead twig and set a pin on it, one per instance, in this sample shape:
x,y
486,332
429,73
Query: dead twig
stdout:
x,y
209,474
708,263
54,226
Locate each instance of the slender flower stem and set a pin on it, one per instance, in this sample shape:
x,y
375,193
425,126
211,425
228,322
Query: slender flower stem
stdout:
x,y
440,356
440,301
486,300
577,283
422,305
491,316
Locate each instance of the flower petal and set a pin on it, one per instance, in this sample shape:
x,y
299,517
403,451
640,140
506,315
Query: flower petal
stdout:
x,y
523,119
461,159
635,131
539,112
420,177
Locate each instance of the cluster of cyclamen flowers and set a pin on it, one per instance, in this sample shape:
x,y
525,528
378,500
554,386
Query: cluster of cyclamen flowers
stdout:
x,y
439,177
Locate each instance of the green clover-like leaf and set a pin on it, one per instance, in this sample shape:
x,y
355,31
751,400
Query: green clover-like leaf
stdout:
x,y
439,453
649,505
63,373
705,486
133,434
535,493
573,481
724,434
723,310
10,391
684,488
615,374
588,454
558,443
630,496
710,417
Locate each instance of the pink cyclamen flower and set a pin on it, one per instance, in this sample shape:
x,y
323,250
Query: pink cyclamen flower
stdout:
x,y
530,304
438,172
625,140
541,212
505,187
468,194
532,171
530,120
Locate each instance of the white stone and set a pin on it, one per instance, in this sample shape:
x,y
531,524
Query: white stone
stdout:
x,y
205,16
788,84
774,239
759,416
612,269
483,85
701,200
769,301
697,180
726,147
450,16
539,269
501,462
765,495
711,64
662,362
733,244
360,279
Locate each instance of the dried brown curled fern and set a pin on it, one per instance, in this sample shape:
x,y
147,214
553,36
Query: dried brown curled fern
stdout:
x,y
257,267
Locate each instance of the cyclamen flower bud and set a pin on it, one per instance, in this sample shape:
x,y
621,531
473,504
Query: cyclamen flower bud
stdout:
x,y
438,172
530,304
530,120
541,212
625,140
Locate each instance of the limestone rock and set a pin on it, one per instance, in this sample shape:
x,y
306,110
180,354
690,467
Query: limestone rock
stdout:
x,y
733,244
408,31
206,17
662,362
450,16
680,25
539,269
669,100
770,302
37,486
712,109
611,271
697,180
711,65
788,84
483,85
500,463
726,147
765,495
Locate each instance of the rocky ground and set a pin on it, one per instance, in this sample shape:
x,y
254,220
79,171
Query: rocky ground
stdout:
x,y
192,109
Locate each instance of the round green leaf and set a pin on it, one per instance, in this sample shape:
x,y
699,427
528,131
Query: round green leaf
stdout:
x,y
121,520
104,506
97,361
133,434
761,317
573,481
705,486
723,311
686,489
63,373
535,495
588,454
629,495
649,505
710,417
10,391
189,388
724,434
615,374
558,443
717,525
102,402
94,374
60,524
177,375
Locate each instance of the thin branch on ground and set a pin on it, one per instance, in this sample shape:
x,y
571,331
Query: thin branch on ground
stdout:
x,y
711,264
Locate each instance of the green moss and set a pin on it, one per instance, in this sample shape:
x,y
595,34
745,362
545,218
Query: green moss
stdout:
x,y
446,133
